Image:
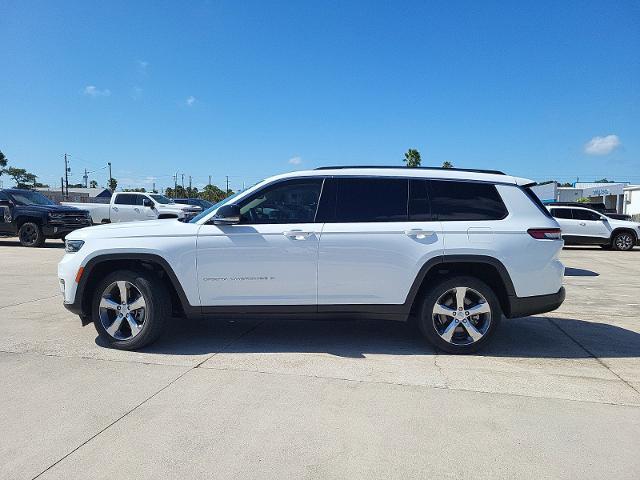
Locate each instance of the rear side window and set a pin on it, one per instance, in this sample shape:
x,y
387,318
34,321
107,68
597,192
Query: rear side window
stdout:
x,y
128,199
561,213
371,200
419,207
455,201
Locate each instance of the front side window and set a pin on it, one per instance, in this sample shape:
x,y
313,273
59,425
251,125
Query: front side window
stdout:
x,y
371,200
585,215
293,201
466,201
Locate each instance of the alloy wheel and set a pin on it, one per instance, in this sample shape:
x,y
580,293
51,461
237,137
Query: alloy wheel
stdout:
x,y
28,234
624,241
122,310
461,316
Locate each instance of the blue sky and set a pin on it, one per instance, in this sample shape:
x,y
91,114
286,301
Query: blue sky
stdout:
x,y
250,89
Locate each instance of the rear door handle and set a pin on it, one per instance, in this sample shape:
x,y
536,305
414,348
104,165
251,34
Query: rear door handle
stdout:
x,y
297,234
583,224
418,233
137,210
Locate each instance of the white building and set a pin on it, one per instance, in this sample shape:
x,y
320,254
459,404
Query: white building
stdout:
x,y
611,194
632,201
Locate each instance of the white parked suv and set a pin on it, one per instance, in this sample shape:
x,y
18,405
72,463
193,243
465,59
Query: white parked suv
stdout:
x,y
583,226
455,250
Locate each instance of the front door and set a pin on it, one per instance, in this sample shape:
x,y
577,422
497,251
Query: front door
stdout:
x,y
270,258
590,225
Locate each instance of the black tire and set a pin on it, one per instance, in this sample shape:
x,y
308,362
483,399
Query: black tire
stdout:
x,y
427,322
607,246
30,235
623,241
156,313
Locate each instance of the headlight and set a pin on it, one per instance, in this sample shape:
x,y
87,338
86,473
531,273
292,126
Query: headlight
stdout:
x,y
72,246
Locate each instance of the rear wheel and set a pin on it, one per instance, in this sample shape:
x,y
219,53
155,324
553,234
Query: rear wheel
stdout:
x,y
623,241
30,235
130,309
459,315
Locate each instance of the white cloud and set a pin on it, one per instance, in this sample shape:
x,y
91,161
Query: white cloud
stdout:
x,y
602,145
190,101
295,160
93,91
142,65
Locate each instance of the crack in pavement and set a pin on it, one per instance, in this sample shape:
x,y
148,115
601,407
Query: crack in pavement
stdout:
x,y
127,413
596,358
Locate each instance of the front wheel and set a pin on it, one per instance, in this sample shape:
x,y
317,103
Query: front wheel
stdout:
x,y
459,315
623,241
130,309
30,235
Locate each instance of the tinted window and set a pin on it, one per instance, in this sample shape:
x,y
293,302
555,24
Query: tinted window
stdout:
x,y
371,200
584,215
561,213
419,207
128,199
452,200
3,196
294,201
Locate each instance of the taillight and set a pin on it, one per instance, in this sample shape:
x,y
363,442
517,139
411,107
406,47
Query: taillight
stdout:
x,y
545,233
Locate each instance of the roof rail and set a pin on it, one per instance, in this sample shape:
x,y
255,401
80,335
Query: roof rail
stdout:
x,y
471,170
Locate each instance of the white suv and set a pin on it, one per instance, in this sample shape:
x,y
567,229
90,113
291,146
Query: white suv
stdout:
x,y
583,226
453,249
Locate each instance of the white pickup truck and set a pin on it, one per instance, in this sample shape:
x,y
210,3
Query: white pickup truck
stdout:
x,y
135,206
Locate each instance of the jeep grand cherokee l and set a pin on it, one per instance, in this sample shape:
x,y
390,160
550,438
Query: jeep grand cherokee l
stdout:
x,y
453,249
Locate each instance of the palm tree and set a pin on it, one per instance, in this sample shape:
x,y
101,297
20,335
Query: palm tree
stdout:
x,y
447,164
412,158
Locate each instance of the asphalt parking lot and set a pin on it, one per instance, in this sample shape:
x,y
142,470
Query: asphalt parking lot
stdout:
x,y
554,396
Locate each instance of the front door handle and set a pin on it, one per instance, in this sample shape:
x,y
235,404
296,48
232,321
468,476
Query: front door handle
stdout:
x,y
296,234
418,233
137,210
583,224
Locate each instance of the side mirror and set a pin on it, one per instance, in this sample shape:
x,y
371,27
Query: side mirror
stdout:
x,y
146,202
227,215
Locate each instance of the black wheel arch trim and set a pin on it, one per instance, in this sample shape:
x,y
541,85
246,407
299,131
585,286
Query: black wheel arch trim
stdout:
x,y
79,306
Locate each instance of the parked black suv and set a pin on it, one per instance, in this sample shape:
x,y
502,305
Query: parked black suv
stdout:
x,y
34,218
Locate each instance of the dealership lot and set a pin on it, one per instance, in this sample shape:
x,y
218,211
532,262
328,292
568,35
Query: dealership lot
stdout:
x,y
554,396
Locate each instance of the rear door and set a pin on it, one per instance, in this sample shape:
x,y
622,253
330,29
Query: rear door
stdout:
x,y
377,234
124,207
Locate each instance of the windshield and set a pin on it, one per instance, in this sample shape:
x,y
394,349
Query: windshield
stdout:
x,y
213,207
161,199
30,198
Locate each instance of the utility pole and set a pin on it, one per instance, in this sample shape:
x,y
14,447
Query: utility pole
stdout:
x,y
209,179
227,192
175,184
189,191
153,189
66,175
85,178
183,181
110,177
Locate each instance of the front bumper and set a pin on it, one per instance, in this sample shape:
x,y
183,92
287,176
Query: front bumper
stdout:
x,y
525,306
56,230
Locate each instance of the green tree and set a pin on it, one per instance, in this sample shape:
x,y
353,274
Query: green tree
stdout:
x,y
412,158
3,162
112,184
212,193
93,184
583,200
604,180
447,164
22,178
141,190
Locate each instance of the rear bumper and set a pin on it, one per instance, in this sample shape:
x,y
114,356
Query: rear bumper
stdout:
x,y
525,306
